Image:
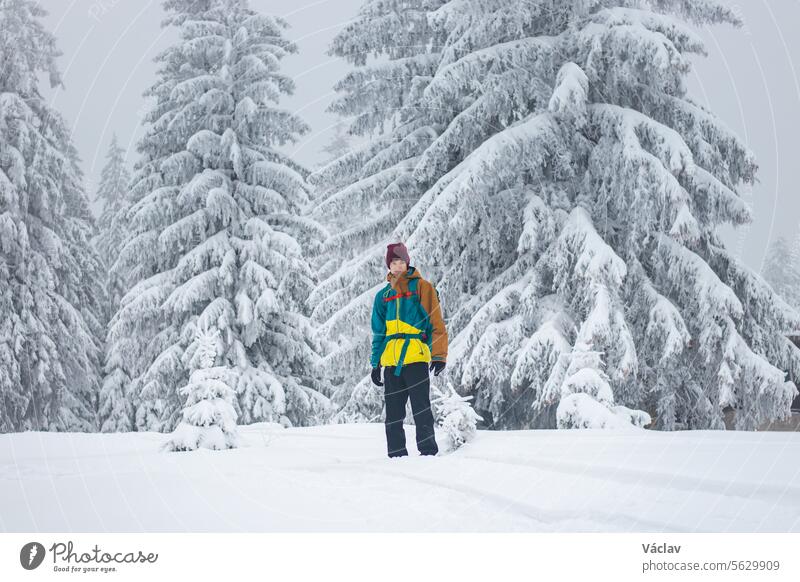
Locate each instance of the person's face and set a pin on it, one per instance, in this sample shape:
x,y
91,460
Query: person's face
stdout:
x,y
398,267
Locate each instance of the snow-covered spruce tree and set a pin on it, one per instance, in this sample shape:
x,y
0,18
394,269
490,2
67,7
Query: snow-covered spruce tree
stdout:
x,y
209,416
112,228
578,195
218,239
51,292
117,404
362,195
782,269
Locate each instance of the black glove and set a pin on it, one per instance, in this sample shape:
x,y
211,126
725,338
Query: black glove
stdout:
x,y
437,366
376,376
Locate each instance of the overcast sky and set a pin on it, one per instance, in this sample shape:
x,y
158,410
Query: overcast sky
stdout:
x,y
750,80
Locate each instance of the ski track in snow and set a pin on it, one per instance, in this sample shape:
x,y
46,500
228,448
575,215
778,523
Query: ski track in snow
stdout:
x,y
337,478
541,517
537,513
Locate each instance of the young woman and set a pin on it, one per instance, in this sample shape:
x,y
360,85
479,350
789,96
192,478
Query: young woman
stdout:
x,y
408,334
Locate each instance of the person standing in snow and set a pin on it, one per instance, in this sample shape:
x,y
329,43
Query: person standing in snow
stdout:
x,y
408,334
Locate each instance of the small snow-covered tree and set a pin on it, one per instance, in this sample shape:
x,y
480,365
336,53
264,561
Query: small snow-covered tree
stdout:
x,y
117,401
209,417
455,415
218,237
577,194
362,195
584,395
51,280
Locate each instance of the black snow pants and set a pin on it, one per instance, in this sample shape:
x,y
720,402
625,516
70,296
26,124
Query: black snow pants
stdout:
x,y
413,382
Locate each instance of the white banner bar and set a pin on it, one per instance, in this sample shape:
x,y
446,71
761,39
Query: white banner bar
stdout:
x,y
401,557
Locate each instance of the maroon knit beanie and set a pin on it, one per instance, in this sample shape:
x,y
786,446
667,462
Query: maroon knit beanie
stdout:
x,y
397,251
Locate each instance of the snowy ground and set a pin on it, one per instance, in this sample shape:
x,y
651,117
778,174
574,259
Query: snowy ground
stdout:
x,y
337,478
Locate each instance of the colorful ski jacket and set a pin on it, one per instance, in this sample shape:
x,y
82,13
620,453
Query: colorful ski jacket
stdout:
x,y
407,323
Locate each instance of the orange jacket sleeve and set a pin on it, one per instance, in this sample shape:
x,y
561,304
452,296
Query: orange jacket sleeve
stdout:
x,y
430,303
